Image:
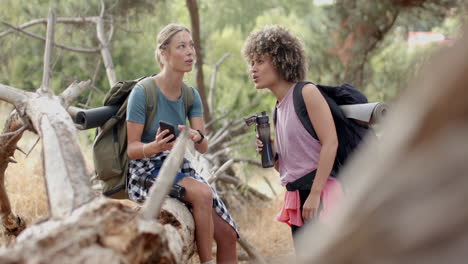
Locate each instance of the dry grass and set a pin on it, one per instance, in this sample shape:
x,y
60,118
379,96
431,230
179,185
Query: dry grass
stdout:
x,y
26,189
257,220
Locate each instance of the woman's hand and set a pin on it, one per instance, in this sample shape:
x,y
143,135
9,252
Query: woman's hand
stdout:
x,y
193,134
260,144
161,142
311,206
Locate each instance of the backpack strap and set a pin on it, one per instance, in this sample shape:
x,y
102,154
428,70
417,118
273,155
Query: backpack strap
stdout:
x,y
301,109
189,96
151,96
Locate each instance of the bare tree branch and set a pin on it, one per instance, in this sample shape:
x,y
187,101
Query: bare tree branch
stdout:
x,y
20,150
16,132
47,73
209,124
12,95
73,111
33,146
82,50
379,35
111,33
227,133
227,150
61,20
249,161
94,88
128,30
70,95
218,172
251,251
213,81
84,106
269,184
103,9
236,140
105,53
237,182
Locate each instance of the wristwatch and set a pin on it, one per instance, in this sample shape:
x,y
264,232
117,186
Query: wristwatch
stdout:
x,y
201,135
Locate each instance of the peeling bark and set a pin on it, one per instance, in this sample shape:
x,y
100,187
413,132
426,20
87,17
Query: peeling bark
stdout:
x,y
8,144
108,231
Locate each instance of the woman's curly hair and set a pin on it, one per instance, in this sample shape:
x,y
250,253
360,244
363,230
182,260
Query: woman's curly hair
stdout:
x,y
286,51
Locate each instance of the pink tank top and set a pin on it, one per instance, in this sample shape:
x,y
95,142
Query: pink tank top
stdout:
x,y
298,151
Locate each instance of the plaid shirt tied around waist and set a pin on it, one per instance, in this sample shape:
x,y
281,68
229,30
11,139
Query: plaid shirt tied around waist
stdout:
x,y
142,168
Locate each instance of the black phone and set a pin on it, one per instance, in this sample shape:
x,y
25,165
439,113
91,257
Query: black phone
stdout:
x,y
165,125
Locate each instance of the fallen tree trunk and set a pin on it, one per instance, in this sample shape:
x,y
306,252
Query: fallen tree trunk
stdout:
x,y
108,231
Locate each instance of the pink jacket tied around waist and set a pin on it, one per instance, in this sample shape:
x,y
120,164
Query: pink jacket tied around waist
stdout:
x,y
291,214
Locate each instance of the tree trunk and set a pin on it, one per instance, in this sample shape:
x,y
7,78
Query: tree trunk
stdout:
x,y
195,21
108,231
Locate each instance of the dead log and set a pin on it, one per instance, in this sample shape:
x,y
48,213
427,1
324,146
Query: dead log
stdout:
x,y
407,191
108,231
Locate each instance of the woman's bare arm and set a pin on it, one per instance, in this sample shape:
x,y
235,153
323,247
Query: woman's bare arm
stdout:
x,y
137,149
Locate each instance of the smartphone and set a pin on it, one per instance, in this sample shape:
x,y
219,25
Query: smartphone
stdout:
x,y
165,125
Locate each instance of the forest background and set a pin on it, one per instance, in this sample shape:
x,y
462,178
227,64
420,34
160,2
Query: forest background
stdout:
x,y
368,43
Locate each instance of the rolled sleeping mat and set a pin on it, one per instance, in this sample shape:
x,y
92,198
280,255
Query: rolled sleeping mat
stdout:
x,y
95,117
369,113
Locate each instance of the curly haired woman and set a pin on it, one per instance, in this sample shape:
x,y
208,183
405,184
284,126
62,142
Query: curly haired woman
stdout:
x,y
277,62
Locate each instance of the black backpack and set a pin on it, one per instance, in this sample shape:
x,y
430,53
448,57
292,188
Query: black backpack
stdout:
x,y
349,133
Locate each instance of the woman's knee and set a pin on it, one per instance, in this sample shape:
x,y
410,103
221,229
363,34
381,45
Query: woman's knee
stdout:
x,y
226,234
197,193
204,195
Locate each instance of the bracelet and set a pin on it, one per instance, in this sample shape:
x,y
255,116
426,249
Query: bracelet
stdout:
x,y
144,155
201,135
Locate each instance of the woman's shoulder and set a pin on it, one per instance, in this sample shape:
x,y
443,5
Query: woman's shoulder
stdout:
x,y
309,86
191,88
310,90
136,94
138,88
193,92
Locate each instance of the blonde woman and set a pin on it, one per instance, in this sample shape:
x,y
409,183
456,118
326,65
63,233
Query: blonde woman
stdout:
x,y
175,54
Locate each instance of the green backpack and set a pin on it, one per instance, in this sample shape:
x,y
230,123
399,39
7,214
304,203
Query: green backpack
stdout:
x,y
110,144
